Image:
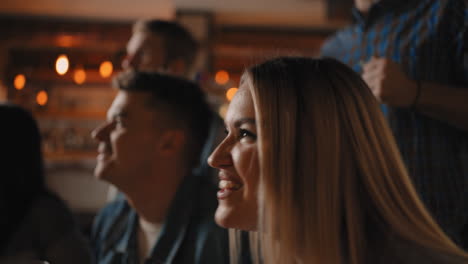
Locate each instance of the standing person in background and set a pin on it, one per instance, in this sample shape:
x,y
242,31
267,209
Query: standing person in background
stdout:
x,y
413,55
35,223
148,148
161,46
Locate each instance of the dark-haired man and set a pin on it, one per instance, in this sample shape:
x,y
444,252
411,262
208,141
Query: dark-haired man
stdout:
x,y
148,148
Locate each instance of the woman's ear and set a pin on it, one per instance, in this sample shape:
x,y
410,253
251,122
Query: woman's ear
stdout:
x,y
172,142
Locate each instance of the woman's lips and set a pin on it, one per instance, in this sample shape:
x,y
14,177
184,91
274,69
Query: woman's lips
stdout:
x,y
223,193
227,184
227,187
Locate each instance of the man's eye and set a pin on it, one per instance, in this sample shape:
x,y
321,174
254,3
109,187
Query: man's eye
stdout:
x,y
118,122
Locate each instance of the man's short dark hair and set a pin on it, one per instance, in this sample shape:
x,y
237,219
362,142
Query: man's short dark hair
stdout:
x,y
177,41
181,99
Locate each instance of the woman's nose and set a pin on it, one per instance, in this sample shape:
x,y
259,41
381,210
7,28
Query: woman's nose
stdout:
x,y
131,61
221,156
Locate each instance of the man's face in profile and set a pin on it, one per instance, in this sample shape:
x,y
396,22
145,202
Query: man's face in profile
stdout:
x,y
145,52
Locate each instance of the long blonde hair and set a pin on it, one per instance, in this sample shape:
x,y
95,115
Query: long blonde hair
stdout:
x,y
333,186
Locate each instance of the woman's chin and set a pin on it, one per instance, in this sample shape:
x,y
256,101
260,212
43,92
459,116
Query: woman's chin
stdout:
x,y
228,217
223,217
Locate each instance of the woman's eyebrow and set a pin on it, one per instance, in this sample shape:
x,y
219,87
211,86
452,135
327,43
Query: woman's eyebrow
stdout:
x,y
242,121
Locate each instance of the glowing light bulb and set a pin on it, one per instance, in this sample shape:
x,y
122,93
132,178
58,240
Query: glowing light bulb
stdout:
x,y
42,98
106,69
79,76
231,92
223,110
222,77
19,82
62,64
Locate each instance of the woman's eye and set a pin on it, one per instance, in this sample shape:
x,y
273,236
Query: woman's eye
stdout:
x,y
245,133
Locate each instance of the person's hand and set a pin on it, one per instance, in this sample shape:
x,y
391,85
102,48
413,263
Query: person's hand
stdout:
x,y
389,83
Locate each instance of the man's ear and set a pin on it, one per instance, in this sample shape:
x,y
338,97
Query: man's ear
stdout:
x,y
172,142
177,67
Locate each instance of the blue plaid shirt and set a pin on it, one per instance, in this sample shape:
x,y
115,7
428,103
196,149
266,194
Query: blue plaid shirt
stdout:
x,y
429,40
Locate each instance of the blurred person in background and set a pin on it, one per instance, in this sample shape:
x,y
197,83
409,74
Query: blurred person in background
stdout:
x,y
35,223
414,57
149,148
161,46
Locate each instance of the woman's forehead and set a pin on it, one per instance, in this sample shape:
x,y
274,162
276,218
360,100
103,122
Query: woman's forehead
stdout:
x,y
241,106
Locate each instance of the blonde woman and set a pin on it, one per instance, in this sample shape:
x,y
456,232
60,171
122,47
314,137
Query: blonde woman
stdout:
x,y
310,166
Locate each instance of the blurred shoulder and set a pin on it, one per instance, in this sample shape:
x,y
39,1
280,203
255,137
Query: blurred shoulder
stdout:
x,y
50,210
113,209
337,42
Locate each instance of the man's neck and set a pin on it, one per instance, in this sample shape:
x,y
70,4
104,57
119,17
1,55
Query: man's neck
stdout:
x,y
152,200
152,196
148,234
149,208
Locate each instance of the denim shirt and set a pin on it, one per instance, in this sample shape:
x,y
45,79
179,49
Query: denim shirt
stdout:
x,y
188,235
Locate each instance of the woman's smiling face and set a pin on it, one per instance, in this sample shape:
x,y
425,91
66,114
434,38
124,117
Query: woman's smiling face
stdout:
x,y
236,157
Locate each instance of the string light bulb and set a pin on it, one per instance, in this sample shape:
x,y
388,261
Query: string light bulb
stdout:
x,y
223,110
231,92
42,98
61,64
222,77
79,76
106,68
19,82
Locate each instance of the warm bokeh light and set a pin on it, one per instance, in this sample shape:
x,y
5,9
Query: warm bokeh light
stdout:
x,y
79,76
3,91
42,98
62,64
66,41
222,77
106,69
223,110
230,93
19,82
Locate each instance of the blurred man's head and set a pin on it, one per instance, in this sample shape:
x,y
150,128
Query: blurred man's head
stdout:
x,y
156,124
161,46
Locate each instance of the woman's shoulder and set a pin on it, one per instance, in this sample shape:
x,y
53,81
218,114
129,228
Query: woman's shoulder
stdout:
x,y
49,224
51,215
